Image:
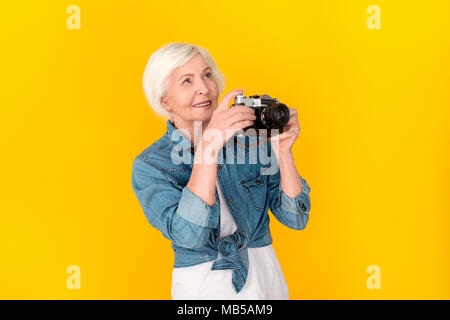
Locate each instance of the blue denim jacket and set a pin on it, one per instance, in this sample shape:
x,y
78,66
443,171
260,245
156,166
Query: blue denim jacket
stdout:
x,y
160,174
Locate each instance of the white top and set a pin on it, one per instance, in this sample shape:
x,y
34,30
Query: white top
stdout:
x,y
265,279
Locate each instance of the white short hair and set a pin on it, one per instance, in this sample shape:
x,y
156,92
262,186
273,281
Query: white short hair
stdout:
x,y
161,64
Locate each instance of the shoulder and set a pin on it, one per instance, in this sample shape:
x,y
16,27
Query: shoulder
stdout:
x,y
155,156
157,149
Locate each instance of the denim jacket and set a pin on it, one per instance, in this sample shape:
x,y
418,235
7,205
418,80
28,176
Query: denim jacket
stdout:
x,y
160,174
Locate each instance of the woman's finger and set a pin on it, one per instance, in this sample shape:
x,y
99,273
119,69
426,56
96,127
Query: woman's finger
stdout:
x,y
227,99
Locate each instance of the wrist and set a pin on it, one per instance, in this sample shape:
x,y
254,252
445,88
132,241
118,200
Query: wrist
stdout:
x,y
286,160
286,152
284,155
207,152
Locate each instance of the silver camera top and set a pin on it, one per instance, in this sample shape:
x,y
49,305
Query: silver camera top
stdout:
x,y
255,101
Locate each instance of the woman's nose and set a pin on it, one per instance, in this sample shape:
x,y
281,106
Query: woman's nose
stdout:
x,y
202,87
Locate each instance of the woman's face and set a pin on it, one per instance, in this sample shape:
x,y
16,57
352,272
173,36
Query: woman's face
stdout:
x,y
190,85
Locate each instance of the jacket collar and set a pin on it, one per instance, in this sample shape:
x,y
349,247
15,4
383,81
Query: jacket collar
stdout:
x,y
181,142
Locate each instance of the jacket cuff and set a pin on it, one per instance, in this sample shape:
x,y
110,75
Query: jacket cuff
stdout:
x,y
298,205
196,211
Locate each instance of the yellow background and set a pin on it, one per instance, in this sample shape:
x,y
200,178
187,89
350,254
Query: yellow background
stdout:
x,y
374,144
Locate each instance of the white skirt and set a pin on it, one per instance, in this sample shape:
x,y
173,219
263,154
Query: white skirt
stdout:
x,y
265,280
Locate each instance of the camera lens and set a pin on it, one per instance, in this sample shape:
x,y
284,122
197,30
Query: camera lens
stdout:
x,y
275,116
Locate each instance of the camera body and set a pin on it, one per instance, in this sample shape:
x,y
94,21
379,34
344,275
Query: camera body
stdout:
x,y
269,112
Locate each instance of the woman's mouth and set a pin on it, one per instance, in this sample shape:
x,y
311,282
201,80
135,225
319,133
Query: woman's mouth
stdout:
x,y
204,104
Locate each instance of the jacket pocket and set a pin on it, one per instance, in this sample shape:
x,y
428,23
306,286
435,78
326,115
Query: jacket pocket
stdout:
x,y
256,189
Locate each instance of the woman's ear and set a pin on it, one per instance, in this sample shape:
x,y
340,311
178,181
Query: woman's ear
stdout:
x,y
165,105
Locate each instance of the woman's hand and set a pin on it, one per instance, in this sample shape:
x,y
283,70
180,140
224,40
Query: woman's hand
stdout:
x,y
225,122
282,143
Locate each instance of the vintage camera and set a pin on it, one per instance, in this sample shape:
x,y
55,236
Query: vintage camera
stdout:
x,y
269,112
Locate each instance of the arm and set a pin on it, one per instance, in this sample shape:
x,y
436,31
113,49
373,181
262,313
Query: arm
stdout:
x,y
181,215
204,172
291,182
289,198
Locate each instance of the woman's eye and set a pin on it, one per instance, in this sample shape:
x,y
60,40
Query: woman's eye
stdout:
x,y
208,75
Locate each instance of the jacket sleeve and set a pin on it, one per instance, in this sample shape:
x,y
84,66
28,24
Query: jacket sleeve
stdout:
x,y
292,212
180,215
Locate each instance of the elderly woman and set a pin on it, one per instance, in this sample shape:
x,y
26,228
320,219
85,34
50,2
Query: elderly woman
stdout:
x,y
215,212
